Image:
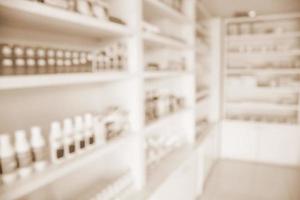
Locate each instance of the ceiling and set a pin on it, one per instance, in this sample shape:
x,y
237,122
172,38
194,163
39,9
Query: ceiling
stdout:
x,y
226,8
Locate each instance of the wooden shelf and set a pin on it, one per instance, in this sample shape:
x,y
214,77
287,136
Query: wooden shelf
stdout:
x,y
156,40
157,9
30,81
38,16
37,180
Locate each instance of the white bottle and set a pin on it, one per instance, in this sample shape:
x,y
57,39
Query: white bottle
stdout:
x,y
99,127
23,153
8,160
79,134
57,152
39,151
89,132
69,139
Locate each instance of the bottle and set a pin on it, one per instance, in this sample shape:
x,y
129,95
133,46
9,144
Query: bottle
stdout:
x,y
99,128
69,140
38,147
57,152
8,161
89,132
79,134
7,67
23,153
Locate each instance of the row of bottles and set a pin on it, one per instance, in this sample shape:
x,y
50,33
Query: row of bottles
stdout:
x,y
94,8
160,103
24,157
66,140
18,59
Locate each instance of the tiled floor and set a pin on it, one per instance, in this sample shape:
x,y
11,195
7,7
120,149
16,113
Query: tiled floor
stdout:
x,y
234,180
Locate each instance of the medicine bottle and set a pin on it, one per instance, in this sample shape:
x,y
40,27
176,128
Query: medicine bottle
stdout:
x,y
79,134
39,149
57,152
69,139
23,154
7,160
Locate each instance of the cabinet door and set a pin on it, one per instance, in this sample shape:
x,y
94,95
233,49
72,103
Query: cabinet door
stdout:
x,y
239,141
181,185
279,144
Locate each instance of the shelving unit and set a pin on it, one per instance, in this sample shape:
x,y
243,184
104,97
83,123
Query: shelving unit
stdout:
x,y
25,98
35,15
55,172
261,88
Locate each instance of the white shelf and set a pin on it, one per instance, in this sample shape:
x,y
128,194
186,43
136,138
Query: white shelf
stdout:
x,y
157,9
170,118
271,90
270,36
38,16
260,106
37,180
165,74
163,170
156,40
29,81
263,71
263,55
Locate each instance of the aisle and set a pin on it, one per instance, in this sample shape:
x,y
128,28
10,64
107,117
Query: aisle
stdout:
x,y
233,180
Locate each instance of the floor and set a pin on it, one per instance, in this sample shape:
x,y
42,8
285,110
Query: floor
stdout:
x,y
234,180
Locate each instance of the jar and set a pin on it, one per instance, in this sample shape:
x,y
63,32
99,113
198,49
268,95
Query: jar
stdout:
x,y
31,66
41,66
29,52
99,9
7,67
20,66
18,51
50,53
51,65
83,7
6,50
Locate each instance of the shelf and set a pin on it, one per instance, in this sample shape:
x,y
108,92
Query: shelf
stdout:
x,y
165,74
263,71
157,9
260,106
37,180
30,81
166,119
260,123
272,90
263,55
158,174
38,16
270,36
159,41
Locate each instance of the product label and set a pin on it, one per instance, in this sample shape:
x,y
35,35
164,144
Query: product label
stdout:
x,y
72,148
82,144
92,139
39,154
24,159
8,165
60,152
